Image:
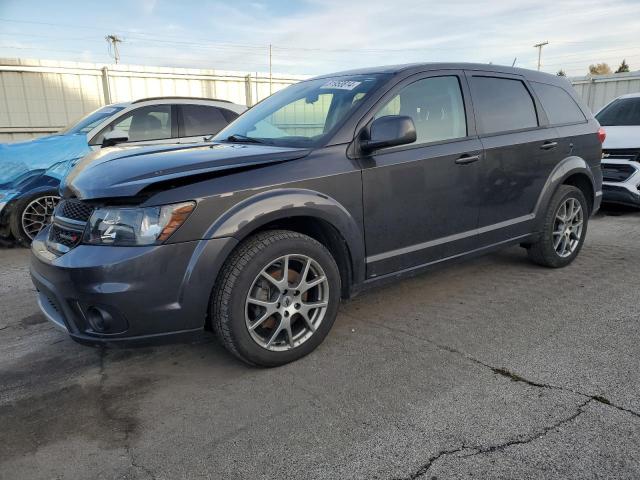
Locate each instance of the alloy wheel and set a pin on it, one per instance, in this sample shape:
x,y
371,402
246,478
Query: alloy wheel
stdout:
x,y
567,228
37,214
287,302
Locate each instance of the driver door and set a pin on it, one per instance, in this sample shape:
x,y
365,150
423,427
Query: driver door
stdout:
x,y
420,199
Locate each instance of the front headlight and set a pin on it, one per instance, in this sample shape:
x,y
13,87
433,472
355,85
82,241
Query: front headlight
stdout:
x,y
136,226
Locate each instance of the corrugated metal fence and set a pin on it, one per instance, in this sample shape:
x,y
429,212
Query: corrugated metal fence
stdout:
x,y
38,97
599,90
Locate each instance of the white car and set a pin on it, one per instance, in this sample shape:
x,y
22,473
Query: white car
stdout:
x,y
621,150
31,171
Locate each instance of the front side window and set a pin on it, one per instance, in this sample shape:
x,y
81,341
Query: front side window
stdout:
x,y
142,124
201,120
624,111
558,104
502,105
435,104
304,114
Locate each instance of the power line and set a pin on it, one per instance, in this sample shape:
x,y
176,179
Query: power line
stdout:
x,y
278,51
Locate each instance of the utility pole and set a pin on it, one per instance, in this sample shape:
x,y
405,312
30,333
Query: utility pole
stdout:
x,y
113,41
270,73
539,47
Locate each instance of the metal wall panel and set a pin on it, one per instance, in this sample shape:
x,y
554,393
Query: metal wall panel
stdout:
x,y
599,90
39,97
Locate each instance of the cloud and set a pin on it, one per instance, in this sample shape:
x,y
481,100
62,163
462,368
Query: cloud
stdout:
x,y
368,32
319,36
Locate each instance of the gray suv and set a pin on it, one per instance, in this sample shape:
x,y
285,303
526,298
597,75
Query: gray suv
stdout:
x,y
329,187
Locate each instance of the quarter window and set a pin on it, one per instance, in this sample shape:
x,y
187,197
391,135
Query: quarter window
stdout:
x,y
435,104
502,104
202,120
558,104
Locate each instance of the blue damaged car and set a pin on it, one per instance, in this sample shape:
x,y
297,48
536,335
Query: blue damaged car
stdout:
x,y
31,171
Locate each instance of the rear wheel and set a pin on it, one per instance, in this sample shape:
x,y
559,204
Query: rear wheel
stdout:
x,y
31,214
564,230
276,299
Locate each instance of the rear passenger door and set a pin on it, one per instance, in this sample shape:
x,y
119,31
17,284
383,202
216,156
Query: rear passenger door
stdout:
x,y
197,122
420,200
520,150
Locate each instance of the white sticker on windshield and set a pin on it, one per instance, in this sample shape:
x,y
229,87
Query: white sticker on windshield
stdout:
x,y
341,84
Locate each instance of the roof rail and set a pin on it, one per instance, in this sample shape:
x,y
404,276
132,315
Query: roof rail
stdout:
x,y
180,98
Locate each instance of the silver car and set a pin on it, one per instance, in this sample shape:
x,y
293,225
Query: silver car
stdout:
x,y
31,171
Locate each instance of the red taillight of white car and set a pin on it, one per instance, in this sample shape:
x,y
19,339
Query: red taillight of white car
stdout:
x,y
602,134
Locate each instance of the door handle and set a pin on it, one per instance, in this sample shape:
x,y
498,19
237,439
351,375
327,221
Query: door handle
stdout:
x,y
549,145
467,159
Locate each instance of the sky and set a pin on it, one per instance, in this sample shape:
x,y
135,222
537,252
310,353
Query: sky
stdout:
x,y
310,37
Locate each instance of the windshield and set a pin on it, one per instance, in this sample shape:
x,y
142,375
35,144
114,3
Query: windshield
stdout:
x,y
303,114
625,111
86,124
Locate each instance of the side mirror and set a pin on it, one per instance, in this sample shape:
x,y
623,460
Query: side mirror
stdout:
x,y
114,137
389,131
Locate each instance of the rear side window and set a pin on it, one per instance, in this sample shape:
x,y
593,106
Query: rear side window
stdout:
x,y
502,104
201,120
435,104
558,104
625,111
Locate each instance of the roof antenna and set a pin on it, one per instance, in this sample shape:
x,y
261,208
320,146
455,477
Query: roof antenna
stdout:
x,y
514,62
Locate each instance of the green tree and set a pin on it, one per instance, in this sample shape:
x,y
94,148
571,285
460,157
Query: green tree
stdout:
x,y
600,69
561,73
623,68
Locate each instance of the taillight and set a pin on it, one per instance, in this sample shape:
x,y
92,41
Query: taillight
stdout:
x,y
602,134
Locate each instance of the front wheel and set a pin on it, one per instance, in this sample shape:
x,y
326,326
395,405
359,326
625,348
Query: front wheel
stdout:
x,y
276,298
31,214
564,229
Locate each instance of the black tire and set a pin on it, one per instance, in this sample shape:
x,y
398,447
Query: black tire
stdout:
x,y
236,279
20,236
542,251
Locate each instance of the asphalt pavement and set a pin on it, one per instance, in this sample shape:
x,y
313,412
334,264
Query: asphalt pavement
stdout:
x,y
494,368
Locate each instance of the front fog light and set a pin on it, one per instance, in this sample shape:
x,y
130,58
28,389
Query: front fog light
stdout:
x,y
136,226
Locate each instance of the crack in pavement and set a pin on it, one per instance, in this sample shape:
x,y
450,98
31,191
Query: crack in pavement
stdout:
x,y
499,370
480,450
483,450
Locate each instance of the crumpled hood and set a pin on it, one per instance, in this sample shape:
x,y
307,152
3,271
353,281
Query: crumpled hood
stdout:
x,y
19,158
125,171
622,136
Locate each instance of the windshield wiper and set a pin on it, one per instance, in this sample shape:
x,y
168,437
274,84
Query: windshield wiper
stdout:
x,y
236,137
